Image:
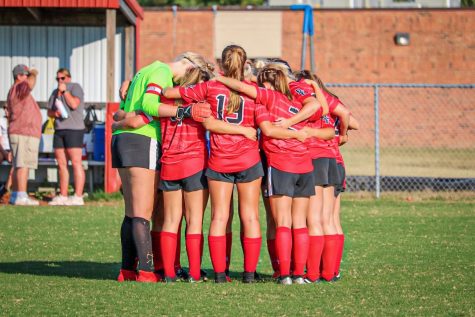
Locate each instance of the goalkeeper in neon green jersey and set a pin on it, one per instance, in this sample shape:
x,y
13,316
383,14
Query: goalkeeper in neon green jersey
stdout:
x,y
136,154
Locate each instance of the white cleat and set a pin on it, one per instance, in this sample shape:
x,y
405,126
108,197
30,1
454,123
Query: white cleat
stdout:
x,y
59,200
25,201
75,201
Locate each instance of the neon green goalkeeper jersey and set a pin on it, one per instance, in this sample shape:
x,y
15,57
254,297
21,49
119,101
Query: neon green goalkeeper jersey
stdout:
x,y
144,95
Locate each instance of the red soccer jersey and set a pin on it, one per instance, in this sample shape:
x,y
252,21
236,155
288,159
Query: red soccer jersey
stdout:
x,y
183,147
229,153
286,155
324,148
339,157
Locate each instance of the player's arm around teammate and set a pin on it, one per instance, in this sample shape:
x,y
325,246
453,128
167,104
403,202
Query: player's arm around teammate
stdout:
x,y
288,184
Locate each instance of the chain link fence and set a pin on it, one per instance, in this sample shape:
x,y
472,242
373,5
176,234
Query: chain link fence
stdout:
x,y
412,137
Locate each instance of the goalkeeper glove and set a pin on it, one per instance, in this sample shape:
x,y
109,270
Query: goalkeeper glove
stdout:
x,y
198,111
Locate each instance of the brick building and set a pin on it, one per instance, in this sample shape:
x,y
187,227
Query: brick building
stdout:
x,y
350,45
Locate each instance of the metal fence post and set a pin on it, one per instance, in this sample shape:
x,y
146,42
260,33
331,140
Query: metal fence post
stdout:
x,y
376,143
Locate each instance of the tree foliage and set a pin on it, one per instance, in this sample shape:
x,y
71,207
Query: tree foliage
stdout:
x,y
468,3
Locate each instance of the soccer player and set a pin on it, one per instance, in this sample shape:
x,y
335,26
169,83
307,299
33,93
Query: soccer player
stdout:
x,y
184,158
290,180
136,153
325,240
233,160
309,98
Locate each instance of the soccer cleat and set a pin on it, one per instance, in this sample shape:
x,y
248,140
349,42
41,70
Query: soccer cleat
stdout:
x,y
337,277
284,280
248,277
220,278
126,275
298,280
204,275
228,278
258,277
147,277
310,281
192,280
169,280
59,200
181,274
160,273
75,201
25,201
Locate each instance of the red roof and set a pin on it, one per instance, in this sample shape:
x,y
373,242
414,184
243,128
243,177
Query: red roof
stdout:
x,y
106,4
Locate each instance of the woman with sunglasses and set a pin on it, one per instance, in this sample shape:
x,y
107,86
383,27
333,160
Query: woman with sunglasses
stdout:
x,y
66,105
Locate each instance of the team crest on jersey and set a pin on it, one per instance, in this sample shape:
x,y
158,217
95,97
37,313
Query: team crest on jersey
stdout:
x,y
153,89
326,119
293,110
301,92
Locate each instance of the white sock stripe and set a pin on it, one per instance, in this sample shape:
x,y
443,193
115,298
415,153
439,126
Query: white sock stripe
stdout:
x,y
152,163
269,181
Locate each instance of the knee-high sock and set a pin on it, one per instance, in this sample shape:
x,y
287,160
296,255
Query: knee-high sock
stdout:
x,y
300,250
229,247
314,257
272,254
178,249
329,254
157,253
252,250
193,249
283,246
168,243
129,253
217,250
143,243
341,243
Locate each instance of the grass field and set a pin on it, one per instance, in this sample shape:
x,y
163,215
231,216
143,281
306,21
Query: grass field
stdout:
x,y
400,161
402,258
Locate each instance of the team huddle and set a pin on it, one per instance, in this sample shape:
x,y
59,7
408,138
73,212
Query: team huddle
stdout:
x,y
271,132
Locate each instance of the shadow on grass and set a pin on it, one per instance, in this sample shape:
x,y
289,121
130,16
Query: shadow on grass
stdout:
x,y
83,269
79,269
235,275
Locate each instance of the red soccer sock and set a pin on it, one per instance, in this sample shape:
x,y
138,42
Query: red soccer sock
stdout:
x,y
300,250
177,263
157,254
252,250
314,257
341,243
168,243
193,249
329,254
283,246
229,247
272,254
217,251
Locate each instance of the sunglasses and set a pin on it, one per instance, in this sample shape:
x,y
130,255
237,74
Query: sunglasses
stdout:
x,y
60,78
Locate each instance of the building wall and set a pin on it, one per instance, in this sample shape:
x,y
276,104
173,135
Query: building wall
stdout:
x,y
47,48
350,45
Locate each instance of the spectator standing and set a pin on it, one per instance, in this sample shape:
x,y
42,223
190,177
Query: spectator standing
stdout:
x,y
66,105
24,130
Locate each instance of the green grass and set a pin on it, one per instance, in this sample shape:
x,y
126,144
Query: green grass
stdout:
x,y
401,258
400,161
